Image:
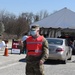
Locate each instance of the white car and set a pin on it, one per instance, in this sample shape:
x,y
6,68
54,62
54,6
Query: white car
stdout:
x,y
59,49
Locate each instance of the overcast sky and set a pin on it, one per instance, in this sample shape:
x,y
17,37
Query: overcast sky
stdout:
x,y
19,6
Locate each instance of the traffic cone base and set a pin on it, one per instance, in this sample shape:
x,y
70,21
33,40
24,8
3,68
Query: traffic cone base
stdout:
x,y
6,52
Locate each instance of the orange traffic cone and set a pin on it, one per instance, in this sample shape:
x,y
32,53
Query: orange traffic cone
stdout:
x,y
6,51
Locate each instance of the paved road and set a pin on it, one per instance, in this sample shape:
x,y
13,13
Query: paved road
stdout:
x,y
51,68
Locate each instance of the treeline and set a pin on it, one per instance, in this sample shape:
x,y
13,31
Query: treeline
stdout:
x,y
18,25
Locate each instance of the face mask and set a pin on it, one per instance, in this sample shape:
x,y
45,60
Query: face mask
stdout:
x,y
33,33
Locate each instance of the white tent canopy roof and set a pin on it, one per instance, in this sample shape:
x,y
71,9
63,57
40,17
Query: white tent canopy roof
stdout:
x,y
63,18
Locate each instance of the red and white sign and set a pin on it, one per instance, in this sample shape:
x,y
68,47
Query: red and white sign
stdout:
x,y
15,48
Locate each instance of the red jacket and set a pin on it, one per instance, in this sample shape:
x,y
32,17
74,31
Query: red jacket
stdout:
x,y
34,46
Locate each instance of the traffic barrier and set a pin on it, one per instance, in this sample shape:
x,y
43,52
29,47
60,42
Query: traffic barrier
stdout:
x,y
6,51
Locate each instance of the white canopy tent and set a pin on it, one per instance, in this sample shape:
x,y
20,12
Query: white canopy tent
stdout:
x,y
63,18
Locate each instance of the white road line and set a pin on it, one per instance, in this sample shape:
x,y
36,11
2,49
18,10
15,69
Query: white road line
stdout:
x,y
9,65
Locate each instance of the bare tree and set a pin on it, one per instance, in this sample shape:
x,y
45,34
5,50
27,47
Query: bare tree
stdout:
x,y
9,21
28,16
42,14
2,29
19,25
36,18
22,25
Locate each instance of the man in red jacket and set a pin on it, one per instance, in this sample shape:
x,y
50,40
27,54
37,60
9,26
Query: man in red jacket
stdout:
x,y
37,52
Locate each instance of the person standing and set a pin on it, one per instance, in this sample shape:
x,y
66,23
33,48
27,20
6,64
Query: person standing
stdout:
x,y
25,37
37,52
24,43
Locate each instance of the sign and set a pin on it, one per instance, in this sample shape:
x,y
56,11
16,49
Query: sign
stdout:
x,y
15,48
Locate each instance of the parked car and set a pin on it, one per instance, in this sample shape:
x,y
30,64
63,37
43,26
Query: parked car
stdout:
x,y
59,49
73,47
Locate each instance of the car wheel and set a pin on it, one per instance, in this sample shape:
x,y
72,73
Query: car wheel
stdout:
x,y
64,61
70,58
73,52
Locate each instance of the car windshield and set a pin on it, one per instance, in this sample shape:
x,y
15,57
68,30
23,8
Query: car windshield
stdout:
x,y
55,41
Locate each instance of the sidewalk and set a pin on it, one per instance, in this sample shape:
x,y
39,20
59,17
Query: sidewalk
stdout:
x,y
10,58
